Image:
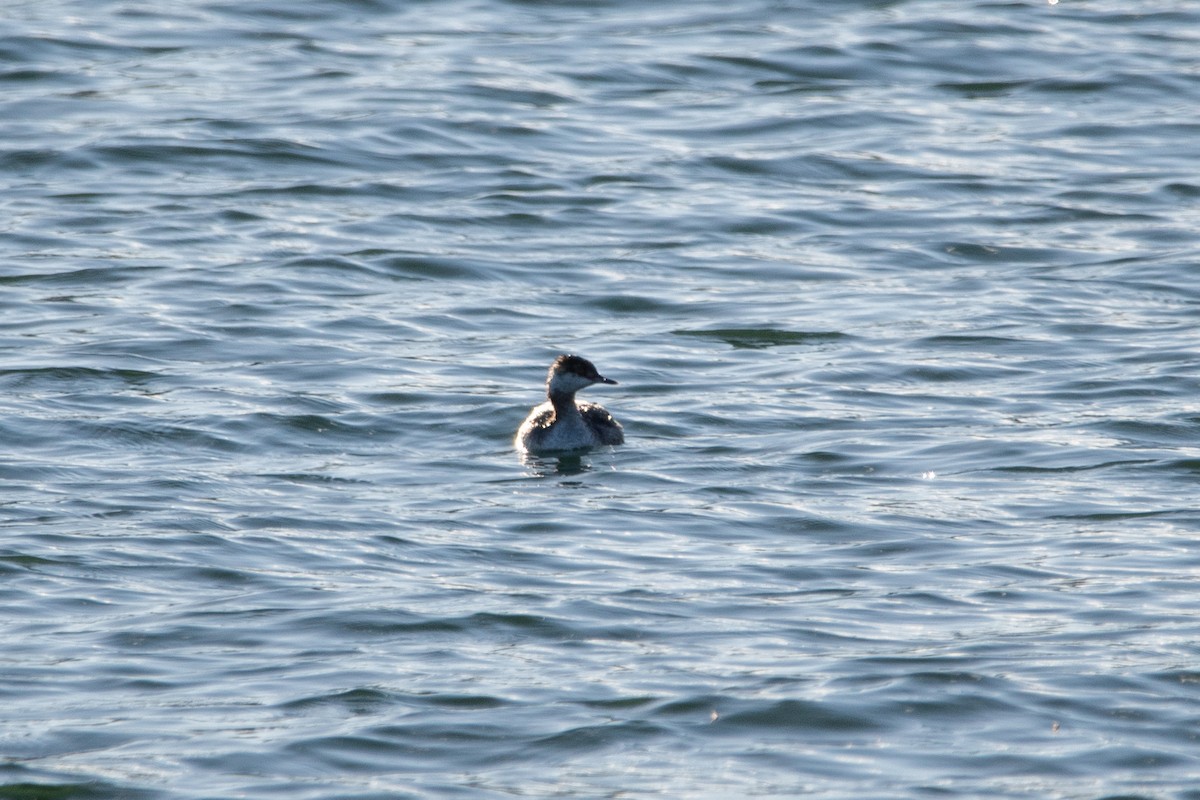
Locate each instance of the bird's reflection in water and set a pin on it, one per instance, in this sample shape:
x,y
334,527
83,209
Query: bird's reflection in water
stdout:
x,y
566,464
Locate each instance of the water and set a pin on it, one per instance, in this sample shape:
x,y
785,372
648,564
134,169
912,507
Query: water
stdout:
x,y
901,297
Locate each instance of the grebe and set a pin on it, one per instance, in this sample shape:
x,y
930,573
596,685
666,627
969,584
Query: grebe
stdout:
x,y
562,424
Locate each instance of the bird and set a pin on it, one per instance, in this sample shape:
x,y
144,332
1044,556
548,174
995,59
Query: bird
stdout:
x,y
562,424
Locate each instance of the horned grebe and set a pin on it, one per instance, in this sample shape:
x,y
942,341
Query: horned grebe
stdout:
x,y
562,424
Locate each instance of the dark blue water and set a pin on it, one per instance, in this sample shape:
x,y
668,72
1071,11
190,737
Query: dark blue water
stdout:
x,y
902,298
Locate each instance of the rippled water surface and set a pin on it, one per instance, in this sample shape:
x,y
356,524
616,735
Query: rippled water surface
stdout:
x,y
902,298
